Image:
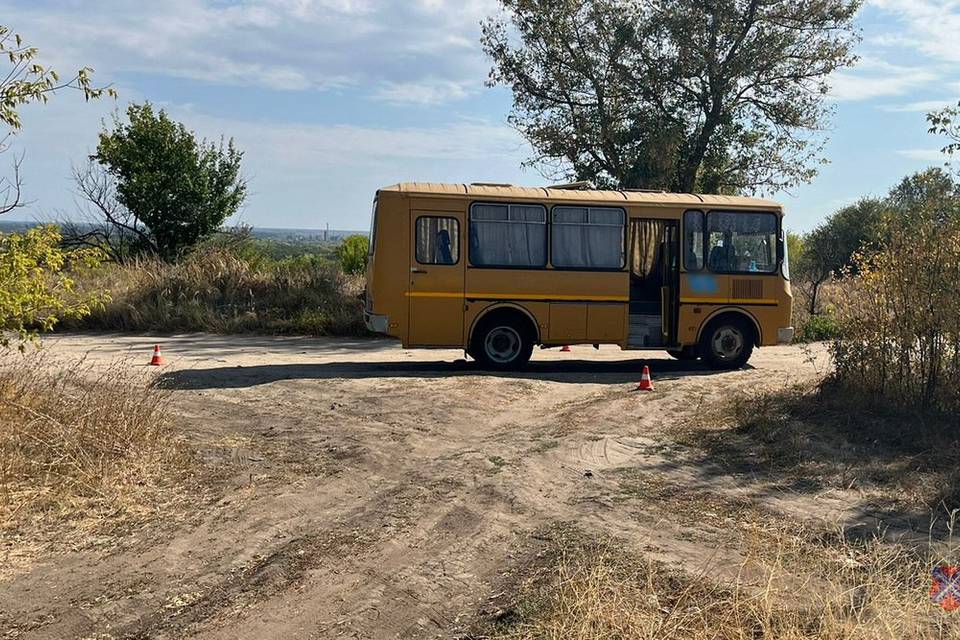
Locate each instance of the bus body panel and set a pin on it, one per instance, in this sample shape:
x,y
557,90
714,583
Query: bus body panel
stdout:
x,y
387,270
559,301
441,307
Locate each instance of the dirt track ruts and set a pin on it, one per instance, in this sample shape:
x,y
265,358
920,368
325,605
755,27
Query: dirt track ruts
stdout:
x,y
381,493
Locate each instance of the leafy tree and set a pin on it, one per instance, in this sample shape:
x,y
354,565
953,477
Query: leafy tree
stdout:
x,y
796,247
25,81
946,122
173,189
36,289
709,95
900,327
928,194
831,247
35,286
352,254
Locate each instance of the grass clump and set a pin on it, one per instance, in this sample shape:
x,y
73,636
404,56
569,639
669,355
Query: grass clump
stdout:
x,y
229,290
789,586
82,456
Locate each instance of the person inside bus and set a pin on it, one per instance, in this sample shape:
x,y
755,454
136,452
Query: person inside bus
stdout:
x,y
723,256
444,254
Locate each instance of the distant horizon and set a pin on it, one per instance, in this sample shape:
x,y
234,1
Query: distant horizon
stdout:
x,y
4,220
35,222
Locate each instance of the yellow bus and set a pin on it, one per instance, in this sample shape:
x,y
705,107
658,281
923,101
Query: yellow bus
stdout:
x,y
497,270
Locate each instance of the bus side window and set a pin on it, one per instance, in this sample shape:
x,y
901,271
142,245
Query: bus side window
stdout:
x,y
438,240
508,235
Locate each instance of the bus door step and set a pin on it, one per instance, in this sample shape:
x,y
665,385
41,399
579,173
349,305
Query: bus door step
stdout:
x,y
645,331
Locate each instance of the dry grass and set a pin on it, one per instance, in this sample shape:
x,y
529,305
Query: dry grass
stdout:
x,y
902,460
221,290
82,456
791,586
772,577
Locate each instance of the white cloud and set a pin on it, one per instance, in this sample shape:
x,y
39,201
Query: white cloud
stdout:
x,y
930,26
301,174
431,91
926,155
923,106
873,78
296,45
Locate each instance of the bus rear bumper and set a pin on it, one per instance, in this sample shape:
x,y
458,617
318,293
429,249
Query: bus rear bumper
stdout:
x,y
785,335
376,323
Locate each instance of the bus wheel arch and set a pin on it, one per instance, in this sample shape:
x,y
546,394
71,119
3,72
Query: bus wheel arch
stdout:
x,y
727,339
503,337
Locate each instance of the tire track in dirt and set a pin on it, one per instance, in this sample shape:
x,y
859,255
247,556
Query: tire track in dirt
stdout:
x,y
386,506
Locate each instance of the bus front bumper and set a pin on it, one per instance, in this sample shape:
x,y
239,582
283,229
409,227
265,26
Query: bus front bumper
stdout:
x,y
376,323
785,335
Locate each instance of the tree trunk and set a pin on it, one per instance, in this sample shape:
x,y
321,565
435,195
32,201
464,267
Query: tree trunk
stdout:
x,y
813,298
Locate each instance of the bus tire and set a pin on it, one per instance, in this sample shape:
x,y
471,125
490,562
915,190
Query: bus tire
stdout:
x,y
727,343
503,342
686,354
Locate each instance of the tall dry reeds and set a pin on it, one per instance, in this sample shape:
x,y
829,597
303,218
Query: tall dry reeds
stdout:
x,y
220,290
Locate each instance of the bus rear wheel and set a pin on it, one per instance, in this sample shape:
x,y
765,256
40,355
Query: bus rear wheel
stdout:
x,y
727,343
501,345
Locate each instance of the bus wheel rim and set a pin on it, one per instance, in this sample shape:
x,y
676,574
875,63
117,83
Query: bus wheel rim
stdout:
x,y
502,344
728,343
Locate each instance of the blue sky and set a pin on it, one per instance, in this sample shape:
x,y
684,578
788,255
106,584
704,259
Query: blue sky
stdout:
x,y
330,99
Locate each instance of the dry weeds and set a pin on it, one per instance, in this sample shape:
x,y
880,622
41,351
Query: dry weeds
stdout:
x,y
792,585
82,457
218,290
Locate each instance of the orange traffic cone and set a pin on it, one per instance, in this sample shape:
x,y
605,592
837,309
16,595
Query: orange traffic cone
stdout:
x,y
157,359
646,382
565,349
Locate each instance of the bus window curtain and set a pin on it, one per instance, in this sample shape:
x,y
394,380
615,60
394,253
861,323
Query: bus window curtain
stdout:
x,y
587,238
646,237
515,240
438,240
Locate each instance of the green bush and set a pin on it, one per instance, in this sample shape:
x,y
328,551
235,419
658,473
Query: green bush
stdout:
x,y
176,188
818,328
352,253
37,286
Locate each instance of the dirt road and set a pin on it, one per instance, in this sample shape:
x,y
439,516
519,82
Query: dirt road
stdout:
x,y
381,493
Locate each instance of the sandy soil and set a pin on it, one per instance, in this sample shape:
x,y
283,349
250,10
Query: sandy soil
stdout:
x,y
382,493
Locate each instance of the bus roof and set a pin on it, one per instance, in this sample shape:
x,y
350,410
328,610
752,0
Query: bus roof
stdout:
x,y
567,195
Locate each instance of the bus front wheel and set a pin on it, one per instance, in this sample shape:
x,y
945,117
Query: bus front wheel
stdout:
x,y
501,345
727,343
686,354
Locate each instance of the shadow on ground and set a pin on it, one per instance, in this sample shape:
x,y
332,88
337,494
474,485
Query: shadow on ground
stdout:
x,y
798,442
567,371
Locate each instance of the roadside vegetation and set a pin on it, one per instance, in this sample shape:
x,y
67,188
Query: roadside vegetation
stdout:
x,y
792,584
81,457
84,457
227,287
